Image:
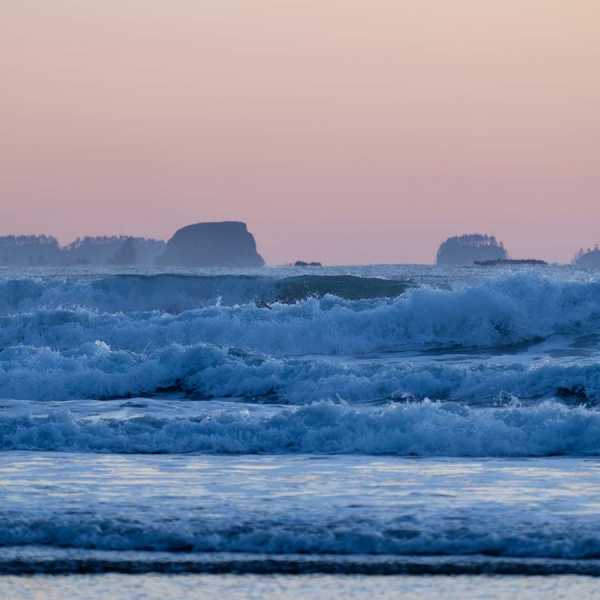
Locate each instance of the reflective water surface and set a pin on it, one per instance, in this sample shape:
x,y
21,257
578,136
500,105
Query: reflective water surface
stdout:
x,y
301,504
307,587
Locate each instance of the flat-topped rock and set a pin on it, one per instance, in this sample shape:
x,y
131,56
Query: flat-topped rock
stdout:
x,y
221,244
512,262
302,263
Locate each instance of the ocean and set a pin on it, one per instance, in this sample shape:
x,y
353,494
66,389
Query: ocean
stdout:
x,y
330,432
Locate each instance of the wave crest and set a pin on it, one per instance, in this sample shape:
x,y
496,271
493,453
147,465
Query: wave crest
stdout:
x,y
414,429
176,293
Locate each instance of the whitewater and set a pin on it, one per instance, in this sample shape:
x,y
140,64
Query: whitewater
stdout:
x,y
380,419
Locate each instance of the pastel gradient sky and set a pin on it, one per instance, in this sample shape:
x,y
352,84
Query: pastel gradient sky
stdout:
x,y
345,131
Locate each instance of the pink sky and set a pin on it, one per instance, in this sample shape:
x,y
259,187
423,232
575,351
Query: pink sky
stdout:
x,y
343,131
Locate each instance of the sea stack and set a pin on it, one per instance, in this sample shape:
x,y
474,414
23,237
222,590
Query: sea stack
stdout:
x,y
221,244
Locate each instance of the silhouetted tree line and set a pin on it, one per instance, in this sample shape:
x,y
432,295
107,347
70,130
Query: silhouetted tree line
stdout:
x,y
466,249
588,258
43,250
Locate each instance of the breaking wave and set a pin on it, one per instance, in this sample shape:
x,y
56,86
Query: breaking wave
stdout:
x,y
297,367
299,352
414,429
495,313
177,293
96,371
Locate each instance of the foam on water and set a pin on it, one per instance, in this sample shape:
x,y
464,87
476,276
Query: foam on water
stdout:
x,y
213,383
414,429
204,371
493,313
247,351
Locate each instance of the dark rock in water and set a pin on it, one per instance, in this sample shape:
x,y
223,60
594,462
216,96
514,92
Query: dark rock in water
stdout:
x,y
511,262
467,249
301,263
225,244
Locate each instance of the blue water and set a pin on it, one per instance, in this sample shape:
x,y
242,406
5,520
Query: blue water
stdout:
x,y
382,419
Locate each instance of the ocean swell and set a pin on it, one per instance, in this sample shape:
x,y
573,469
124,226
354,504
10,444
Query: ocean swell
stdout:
x,y
492,314
173,293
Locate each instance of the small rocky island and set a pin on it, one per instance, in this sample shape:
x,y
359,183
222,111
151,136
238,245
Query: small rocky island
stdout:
x,y
302,263
512,262
468,249
220,244
588,259
225,244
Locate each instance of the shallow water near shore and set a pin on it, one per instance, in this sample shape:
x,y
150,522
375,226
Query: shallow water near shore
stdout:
x,y
308,587
303,510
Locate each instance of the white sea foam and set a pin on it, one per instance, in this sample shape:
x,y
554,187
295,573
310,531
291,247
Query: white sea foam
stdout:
x,y
498,312
95,370
124,375
414,429
285,354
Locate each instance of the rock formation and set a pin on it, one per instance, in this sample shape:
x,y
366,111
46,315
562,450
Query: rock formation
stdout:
x,y
468,249
512,262
224,244
302,263
589,259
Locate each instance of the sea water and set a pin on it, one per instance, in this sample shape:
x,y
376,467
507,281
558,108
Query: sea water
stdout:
x,y
336,424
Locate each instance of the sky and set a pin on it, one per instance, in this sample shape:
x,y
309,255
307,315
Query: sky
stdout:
x,y
342,131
